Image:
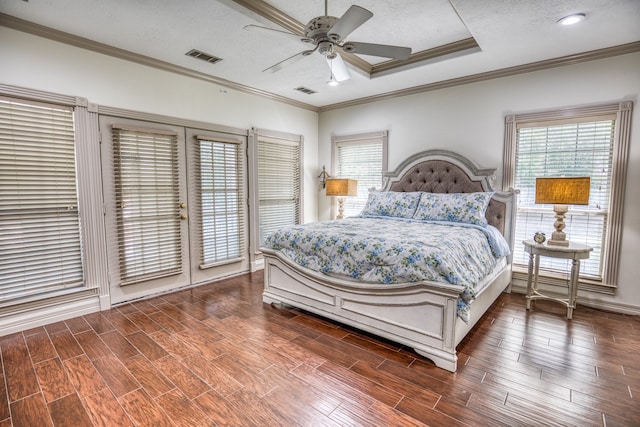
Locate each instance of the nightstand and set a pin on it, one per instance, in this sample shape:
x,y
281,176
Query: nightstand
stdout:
x,y
575,252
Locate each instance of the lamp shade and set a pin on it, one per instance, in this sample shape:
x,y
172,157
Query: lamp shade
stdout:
x,y
563,191
342,187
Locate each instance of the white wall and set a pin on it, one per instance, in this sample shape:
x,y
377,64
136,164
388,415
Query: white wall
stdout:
x,y
469,119
37,63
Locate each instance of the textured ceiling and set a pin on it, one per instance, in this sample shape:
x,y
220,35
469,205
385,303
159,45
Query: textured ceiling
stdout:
x,y
509,33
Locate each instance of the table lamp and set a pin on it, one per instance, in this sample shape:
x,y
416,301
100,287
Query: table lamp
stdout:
x,y
341,187
562,192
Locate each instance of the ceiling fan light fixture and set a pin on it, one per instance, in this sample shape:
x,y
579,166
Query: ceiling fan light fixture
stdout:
x,y
328,34
332,81
571,19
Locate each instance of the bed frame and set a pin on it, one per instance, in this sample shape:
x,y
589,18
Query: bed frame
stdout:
x,y
421,315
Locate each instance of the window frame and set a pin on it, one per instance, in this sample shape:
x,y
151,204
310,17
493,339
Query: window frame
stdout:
x,y
621,142
240,197
255,136
381,137
163,254
89,190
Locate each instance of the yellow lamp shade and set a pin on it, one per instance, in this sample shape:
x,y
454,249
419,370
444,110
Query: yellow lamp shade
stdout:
x,y
563,191
342,187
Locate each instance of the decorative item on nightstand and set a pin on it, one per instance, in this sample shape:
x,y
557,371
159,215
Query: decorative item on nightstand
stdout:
x,y
560,192
341,187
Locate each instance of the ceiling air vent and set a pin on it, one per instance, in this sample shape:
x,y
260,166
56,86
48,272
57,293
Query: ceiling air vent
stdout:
x,y
204,56
305,90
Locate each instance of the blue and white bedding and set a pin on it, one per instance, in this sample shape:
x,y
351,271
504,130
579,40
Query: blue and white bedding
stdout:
x,y
392,249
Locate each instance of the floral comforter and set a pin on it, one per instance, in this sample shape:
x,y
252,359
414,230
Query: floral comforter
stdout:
x,y
393,250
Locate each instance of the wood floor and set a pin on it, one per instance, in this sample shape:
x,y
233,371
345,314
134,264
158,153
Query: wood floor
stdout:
x,y
215,355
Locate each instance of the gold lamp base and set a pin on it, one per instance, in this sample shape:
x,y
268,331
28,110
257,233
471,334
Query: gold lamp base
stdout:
x,y
340,208
559,238
558,242
341,187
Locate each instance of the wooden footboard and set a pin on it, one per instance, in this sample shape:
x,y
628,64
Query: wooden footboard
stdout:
x,y
419,315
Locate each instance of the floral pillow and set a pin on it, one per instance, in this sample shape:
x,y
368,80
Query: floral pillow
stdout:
x,y
454,207
391,203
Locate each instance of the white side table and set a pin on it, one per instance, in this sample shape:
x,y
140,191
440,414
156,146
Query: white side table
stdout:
x,y
574,252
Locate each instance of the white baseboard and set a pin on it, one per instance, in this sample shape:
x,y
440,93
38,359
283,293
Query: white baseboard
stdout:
x,y
257,265
105,302
22,321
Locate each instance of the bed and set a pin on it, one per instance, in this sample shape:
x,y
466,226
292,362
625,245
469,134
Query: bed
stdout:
x,y
424,314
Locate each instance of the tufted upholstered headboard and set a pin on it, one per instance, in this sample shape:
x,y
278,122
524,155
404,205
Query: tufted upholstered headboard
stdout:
x,y
440,171
439,176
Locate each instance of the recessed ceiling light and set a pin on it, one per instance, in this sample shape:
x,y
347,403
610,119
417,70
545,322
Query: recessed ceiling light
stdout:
x,y
572,19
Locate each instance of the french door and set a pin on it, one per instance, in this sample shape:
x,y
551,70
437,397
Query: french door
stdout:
x,y
154,184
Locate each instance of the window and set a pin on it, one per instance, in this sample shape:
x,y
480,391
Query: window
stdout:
x,y
40,246
220,193
362,157
146,193
277,159
592,142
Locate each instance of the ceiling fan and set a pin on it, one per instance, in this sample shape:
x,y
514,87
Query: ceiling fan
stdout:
x,y
328,34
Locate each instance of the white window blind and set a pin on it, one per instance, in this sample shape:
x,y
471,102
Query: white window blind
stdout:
x,y
40,247
360,157
581,148
590,140
220,191
147,197
278,184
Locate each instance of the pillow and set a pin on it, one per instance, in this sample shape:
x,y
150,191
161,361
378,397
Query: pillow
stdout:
x,y
391,203
454,207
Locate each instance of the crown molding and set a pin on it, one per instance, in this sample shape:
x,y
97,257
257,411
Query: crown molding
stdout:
x,y
274,15
83,43
60,36
449,50
283,20
593,55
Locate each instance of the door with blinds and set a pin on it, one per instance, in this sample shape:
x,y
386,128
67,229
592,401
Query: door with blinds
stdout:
x,y
146,212
175,205
218,211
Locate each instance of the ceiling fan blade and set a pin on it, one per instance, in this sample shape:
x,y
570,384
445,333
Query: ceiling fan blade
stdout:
x,y
384,50
267,30
352,19
338,67
290,60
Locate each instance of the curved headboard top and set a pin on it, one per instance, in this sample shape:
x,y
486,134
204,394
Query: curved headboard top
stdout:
x,y
442,171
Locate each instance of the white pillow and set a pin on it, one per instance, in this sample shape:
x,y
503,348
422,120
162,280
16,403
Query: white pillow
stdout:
x,y
454,207
391,203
